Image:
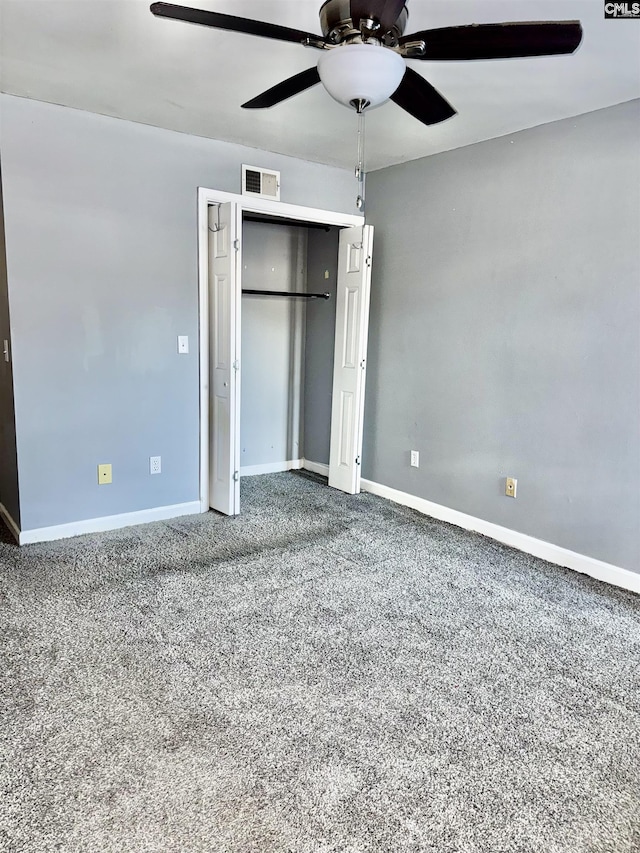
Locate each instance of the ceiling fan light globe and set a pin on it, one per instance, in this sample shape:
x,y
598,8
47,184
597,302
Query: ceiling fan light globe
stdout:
x,y
361,72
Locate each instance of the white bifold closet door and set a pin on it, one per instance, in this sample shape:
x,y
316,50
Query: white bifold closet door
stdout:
x,y
350,353
224,391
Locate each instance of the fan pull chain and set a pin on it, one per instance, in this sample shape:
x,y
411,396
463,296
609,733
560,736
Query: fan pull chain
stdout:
x,y
360,175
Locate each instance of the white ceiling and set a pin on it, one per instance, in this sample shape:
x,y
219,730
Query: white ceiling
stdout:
x,y
113,57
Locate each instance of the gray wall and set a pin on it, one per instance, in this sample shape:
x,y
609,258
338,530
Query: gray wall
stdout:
x,y
100,219
273,258
322,257
8,458
505,331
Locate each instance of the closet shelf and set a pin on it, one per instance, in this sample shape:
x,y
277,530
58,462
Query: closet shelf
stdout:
x,y
292,293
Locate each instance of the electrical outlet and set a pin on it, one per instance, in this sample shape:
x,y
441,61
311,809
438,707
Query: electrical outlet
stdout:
x,y
415,459
183,344
510,487
155,464
104,474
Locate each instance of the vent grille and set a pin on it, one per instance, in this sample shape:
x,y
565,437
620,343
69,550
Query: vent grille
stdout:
x,y
260,182
252,182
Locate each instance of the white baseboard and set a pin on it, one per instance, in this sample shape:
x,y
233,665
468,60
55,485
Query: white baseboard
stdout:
x,y
13,527
271,468
316,467
536,547
291,465
107,522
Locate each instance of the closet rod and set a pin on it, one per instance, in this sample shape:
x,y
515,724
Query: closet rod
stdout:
x,y
288,293
281,220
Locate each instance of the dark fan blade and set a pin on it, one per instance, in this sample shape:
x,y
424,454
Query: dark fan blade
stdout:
x,y
421,100
284,90
230,22
385,11
499,41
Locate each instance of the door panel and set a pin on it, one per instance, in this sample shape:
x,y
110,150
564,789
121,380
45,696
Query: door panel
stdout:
x,y
224,491
350,351
352,322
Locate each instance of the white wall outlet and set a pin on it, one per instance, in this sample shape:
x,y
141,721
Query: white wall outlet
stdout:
x,y
183,344
415,459
510,487
155,465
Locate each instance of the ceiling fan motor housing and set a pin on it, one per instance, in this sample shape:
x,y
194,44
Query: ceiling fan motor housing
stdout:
x,y
349,20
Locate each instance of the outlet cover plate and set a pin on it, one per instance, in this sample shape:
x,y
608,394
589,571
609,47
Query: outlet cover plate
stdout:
x,y
510,487
104,474
155,465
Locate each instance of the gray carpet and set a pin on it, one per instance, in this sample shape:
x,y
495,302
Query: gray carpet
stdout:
x,y
323,673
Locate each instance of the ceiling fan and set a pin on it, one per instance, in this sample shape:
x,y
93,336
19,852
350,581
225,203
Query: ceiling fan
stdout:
x,y
364,51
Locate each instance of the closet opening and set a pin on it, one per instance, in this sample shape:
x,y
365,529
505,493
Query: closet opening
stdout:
x,y
288,317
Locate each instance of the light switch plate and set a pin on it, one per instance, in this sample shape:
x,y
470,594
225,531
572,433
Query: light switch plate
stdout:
x,y
183,344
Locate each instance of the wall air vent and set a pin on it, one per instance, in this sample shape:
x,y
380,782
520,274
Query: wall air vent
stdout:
x,y
260,182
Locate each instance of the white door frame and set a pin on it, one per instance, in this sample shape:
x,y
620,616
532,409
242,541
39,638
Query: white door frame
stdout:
x,y
243,204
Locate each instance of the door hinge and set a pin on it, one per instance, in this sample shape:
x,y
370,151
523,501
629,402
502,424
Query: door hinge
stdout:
x,y
236,244
368,260
236,365
357,460
362,363
236,476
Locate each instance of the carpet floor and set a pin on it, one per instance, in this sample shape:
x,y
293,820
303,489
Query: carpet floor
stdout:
x,y
322,674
